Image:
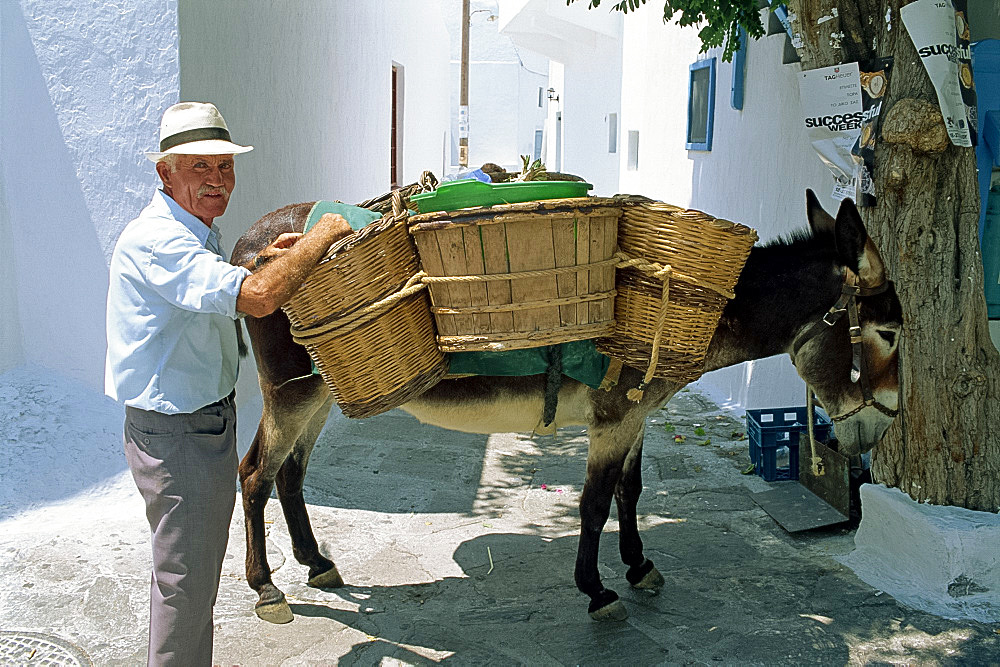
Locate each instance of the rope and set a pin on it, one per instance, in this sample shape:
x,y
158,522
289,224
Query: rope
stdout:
x,y
538,273
359,317
523,305
636,393
815,461
658,271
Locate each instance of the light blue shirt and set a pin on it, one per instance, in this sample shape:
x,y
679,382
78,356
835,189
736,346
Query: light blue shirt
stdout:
x,y
171,309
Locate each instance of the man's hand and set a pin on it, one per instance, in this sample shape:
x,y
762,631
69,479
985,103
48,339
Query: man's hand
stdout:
x,y
276,248
332,223
288,259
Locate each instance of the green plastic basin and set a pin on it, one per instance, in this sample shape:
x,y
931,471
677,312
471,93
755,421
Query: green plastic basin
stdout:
x,y
453,195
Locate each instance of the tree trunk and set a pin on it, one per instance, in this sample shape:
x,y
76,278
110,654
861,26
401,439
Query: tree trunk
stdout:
x,y
945,446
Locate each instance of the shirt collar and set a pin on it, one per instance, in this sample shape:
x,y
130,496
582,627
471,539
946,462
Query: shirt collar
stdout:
x,y
165,203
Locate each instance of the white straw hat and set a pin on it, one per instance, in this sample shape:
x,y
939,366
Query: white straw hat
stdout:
x,y
195,128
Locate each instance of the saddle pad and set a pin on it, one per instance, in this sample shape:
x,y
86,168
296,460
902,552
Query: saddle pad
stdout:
x,y
356,216
580,361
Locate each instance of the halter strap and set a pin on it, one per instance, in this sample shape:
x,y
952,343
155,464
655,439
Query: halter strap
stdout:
x,y
848,303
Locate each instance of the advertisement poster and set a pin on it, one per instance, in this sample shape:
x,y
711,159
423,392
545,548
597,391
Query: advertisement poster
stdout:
x,y
941,37
874,88
832,114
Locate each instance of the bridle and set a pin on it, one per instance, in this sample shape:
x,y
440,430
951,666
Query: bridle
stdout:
x,y
848,303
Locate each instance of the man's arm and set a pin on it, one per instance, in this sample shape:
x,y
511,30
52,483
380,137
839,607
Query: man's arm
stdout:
x,y
272,285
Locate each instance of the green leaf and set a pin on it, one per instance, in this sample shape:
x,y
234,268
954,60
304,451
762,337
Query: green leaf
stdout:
x,y
669,428
748,470
699,431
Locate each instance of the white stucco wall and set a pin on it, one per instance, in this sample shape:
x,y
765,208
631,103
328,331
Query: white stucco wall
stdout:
x,y
591,91
503,89
11,344
81,90
312,92
587,46
756,173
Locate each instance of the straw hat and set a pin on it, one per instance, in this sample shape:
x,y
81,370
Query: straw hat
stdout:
x,y
195,128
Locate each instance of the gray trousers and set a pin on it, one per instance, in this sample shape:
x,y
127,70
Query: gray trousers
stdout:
x,y
185,468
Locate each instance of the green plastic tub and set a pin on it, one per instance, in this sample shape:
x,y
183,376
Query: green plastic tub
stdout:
x,y
453,195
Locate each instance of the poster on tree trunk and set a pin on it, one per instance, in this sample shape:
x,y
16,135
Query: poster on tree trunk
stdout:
x,y
832,111
940,33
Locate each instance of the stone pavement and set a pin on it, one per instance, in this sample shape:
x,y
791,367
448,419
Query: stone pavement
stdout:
x,y
460,548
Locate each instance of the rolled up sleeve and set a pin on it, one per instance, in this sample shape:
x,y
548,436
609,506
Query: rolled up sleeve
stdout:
x,y
191,277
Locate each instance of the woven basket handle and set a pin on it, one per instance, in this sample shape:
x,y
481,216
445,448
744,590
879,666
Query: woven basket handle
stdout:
x,y
399,210
428,181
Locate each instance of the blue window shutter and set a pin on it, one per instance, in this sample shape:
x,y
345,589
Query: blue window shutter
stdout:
x,y
739,72
701,105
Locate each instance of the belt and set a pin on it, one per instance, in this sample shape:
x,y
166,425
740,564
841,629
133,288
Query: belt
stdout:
x,y
224,401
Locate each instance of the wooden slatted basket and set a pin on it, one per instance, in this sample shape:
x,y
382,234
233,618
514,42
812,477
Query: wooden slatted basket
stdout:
x,y
521,275
677,273
365,319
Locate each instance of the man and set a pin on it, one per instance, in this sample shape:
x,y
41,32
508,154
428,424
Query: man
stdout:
x,y
172,360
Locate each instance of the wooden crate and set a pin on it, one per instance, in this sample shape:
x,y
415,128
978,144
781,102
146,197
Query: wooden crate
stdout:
x,y
515,276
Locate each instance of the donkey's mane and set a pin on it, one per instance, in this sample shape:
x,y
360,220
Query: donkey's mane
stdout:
x,y
799,240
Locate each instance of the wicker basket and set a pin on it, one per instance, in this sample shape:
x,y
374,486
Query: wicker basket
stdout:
x,y
679,267
522,275
364,318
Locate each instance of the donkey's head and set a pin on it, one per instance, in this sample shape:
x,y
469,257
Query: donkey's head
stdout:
x,y
849,355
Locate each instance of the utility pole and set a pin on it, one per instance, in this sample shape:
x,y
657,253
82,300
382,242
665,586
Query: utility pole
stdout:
x,y
463,103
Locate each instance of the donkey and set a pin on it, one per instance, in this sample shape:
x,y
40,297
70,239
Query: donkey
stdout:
x,y
788,299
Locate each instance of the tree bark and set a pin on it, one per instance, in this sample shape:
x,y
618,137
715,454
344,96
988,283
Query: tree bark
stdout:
x,y
945,446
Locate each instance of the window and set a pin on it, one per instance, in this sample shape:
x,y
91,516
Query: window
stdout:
x,y
612,133
633,150
539,135
701,105
541,97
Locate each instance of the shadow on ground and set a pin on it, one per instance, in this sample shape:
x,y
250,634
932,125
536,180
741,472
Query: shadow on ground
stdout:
x,y
724,601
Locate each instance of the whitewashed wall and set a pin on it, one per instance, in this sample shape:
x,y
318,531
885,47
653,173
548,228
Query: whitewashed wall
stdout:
x,y
503,89
587,46
756,173
311,90
82,86
82,90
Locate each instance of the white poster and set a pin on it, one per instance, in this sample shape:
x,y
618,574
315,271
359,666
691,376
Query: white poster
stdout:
x,y
830,99
931,24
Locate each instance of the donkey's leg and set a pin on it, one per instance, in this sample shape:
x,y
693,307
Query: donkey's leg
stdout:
x,y
322,572
285,415
641,571
609,447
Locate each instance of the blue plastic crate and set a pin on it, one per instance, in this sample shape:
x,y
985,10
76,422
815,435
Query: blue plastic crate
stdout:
x,y
770,429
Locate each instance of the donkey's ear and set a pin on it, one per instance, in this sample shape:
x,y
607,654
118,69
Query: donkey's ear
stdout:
x,y
855,248
819,219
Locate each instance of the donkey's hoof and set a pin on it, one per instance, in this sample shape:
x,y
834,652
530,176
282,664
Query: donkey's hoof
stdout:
x,y
615,611
329,579
274,611
607,607
645,577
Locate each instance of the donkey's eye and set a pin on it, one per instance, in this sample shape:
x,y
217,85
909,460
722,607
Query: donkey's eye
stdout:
x,y
887,336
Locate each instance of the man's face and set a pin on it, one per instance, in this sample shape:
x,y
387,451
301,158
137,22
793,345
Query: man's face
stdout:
x,y
201,184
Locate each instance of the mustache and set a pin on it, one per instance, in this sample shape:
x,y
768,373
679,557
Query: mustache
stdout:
x,y
206,190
